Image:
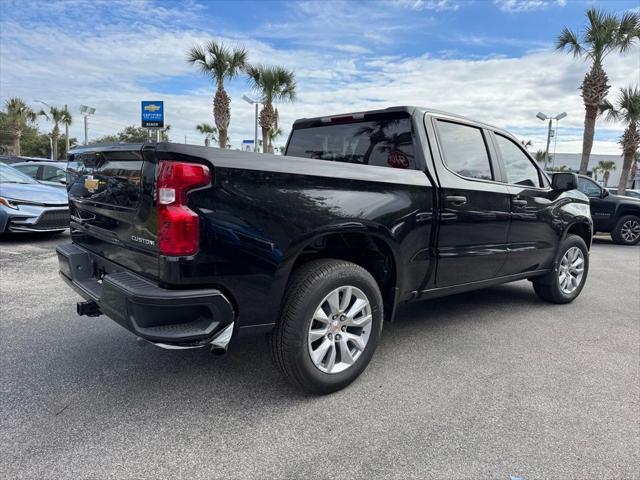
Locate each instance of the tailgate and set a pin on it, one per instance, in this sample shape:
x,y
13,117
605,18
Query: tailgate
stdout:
x,y
112,207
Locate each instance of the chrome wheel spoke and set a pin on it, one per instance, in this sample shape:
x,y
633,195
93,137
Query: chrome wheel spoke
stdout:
x,y
346,299
361,321
345,353
331,358
357,307
320,316
355,340
334,302
319,353
317,333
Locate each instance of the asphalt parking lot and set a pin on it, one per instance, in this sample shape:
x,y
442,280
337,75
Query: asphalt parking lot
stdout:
x,y
493,384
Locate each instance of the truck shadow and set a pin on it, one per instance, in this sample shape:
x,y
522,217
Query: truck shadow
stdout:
x,y
111,365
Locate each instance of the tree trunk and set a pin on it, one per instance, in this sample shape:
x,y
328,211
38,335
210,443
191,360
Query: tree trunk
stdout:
x,y
265,140
630,141
606,179
17,137
267,120
206,141
624,174
222,114
594,89
587,139
54,139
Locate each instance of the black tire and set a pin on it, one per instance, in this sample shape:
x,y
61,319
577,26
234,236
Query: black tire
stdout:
x,y
307,288
548,287
617,234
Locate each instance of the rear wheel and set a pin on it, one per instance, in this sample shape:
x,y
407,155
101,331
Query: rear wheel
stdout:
x,y
330,325
565,282
627,230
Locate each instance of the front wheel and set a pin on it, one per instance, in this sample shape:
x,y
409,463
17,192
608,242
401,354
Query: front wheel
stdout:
x,y
565,282
627,230
330,325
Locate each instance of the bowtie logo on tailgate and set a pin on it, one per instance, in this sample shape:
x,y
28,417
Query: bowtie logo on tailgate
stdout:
x,y
91,184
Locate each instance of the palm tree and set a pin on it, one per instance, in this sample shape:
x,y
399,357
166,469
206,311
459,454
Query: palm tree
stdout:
x,y
273,84
273,134
57,116
220,63
606,167
541,157
20,115
603,34
209,132
627,111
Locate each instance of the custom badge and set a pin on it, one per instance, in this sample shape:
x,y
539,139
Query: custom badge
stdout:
x,y
397,159
91,184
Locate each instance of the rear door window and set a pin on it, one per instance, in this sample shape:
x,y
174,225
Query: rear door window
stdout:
x,y
53,174
519,168
464,150
386,142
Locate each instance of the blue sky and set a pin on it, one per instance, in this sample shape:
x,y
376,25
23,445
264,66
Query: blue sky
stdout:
x,y
491,60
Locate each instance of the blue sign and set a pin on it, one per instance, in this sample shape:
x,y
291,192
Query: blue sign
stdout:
x,y
152,114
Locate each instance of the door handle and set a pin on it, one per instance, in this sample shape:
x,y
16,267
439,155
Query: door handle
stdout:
x,y
456,199
519,203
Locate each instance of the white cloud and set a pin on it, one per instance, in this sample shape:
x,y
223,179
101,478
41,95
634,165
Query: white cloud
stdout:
x,y
436,5
527,5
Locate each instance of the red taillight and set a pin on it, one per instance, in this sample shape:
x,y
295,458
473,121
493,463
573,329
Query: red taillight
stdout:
x,y
178,226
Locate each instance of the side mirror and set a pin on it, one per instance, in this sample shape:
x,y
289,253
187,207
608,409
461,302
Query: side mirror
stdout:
x,y
605,193
563,181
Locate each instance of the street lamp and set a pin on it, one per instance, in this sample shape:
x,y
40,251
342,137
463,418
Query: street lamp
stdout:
x,y
544,117
257,104
85,111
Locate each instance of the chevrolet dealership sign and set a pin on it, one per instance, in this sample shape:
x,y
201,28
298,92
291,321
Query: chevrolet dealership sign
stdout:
x,y
152,114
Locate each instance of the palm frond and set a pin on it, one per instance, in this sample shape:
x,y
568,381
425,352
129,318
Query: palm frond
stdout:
x,y
569,40
628,31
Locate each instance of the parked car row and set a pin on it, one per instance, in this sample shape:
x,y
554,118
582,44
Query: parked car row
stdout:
x,y
627,193
27,205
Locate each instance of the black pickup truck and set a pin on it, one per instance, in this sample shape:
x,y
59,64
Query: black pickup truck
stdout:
x,y
190,247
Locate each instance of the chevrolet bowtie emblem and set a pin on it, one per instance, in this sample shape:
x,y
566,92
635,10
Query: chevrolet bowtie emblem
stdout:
x,y
91,184
152,108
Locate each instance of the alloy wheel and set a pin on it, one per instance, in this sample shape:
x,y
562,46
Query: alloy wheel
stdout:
x,y
340,329
630,230
571,270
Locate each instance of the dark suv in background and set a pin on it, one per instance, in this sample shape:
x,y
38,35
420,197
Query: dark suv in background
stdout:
x,y
614,214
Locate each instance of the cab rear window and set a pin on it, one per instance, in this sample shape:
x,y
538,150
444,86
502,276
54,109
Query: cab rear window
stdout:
x,y
386,142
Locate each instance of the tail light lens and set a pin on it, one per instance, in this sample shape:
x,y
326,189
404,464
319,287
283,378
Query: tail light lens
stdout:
x,y
178,226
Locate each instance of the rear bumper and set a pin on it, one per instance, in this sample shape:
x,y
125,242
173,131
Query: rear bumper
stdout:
x,y
167,318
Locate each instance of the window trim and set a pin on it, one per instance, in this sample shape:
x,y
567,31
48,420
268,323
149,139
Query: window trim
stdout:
x,y
503,170
488,147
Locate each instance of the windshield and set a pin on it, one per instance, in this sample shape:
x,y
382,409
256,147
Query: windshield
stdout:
x,y
11,175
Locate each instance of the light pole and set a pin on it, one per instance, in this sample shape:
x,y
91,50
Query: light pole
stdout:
x,y
544,117
85,111
50,139
255,137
